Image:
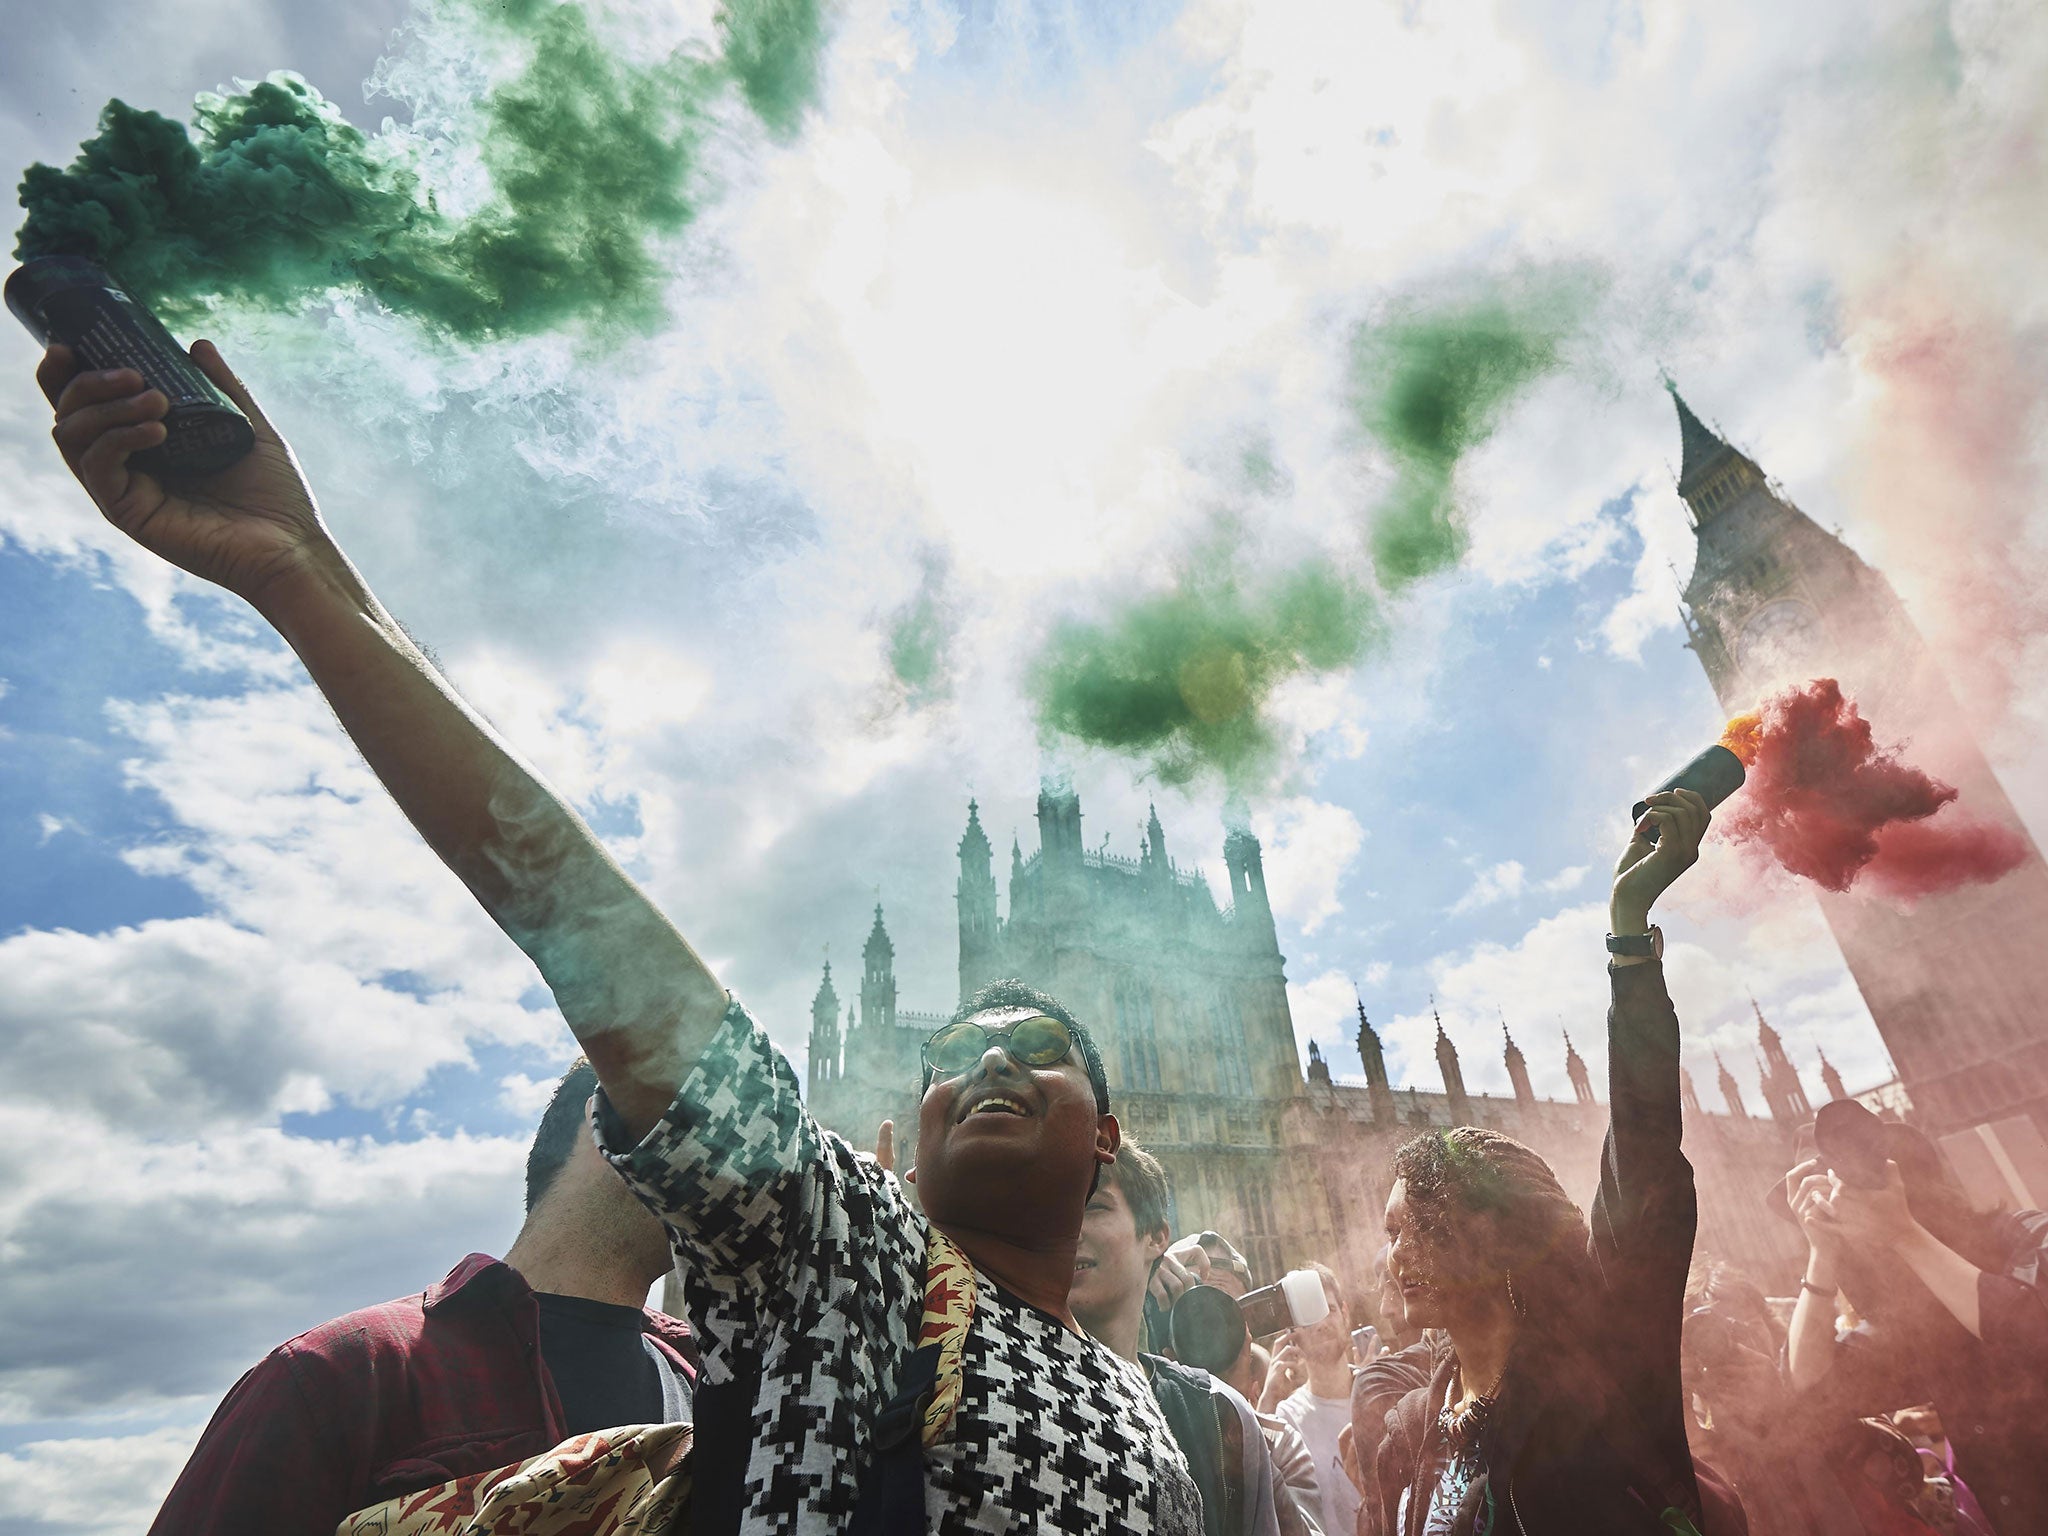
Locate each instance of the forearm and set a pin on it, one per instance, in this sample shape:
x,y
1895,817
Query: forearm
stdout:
x,y
638,998
1642,1064
1810,1341
1951,1277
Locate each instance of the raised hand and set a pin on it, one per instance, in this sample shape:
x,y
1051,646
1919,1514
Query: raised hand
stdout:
x,y
1811,1190
240,529
1288,1371
885,1146
1646,869
1185,1264
1874,1218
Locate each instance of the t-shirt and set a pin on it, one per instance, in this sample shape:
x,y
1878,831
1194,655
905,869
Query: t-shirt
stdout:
x,y
605,1369
1459,1468
799,1248
1320,1420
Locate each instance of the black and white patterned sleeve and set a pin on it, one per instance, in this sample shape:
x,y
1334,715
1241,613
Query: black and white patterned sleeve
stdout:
x,y
739,1171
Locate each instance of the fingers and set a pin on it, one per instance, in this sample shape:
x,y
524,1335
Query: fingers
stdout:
x,y
1815,1192
102,469
86,389
86,424
97,435
1679,813
1169,1278
215,367
55,370
1794,1178
885,1145
1192,1258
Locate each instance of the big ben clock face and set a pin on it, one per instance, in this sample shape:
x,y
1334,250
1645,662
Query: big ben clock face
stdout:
x,y
1776,635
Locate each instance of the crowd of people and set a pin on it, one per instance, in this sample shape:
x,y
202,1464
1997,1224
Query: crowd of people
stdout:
x,y
993,1340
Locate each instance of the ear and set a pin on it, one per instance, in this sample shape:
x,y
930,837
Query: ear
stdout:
x,y
910,1174
1108,1137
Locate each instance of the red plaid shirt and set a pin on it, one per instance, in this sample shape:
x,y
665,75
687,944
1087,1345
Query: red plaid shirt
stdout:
x,y
385,1401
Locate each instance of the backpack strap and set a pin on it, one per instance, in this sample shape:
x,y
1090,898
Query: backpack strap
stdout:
x,y
927,1396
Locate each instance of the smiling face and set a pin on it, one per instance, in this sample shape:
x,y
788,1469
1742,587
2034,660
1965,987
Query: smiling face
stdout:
x,y
1410,1273
1114,1259
1007,1148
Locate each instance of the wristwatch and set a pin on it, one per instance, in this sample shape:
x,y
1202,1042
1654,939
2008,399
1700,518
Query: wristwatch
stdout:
x,y
1638,946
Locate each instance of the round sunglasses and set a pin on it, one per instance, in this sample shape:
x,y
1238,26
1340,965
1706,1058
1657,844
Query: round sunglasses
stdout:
x,y
1034,1042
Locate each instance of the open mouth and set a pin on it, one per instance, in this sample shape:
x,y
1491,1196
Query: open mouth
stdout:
x,y
1082,1266
996,1104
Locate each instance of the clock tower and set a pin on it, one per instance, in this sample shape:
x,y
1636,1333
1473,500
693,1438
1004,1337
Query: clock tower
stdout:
x,y
1958,983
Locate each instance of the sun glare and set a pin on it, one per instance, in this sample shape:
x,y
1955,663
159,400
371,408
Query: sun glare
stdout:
x,y
1013,349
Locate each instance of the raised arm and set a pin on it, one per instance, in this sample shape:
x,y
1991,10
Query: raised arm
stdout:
x,y
1643,1217
637,996
1642,1027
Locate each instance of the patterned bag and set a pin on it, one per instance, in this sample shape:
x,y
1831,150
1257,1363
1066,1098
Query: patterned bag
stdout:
x,y
631,1481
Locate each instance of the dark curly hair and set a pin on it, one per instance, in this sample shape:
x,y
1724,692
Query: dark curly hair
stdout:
x,y
1486,1208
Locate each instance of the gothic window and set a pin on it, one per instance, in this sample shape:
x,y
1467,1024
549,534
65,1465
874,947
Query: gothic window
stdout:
x,y
1137,1041
1233,1065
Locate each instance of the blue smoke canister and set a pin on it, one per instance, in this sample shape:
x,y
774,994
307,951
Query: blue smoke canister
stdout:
x,y
1714,775
71,300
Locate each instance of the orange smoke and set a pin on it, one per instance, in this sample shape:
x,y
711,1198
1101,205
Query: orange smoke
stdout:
x,y
1745,737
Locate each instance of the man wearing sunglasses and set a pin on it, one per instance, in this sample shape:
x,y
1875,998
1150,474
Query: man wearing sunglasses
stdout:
x,y
806,1263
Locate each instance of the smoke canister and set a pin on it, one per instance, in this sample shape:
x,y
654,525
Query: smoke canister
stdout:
x,y
71,300
1714,775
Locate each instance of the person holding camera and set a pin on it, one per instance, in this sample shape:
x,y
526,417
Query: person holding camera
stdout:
x,y
1951,1299
1124,1238
1558,1408
864,1359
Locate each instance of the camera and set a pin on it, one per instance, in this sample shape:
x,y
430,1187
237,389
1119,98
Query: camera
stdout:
x,y
1209,1328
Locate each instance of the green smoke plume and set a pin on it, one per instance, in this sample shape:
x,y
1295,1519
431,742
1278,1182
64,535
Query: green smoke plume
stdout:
x,y
919,638
772,48
274,200
1181,677
1431,383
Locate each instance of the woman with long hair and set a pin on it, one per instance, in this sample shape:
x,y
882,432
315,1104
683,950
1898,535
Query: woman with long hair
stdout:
x,y
1556,1407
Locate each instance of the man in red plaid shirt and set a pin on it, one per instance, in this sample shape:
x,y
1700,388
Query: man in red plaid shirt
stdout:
x,y
498,1361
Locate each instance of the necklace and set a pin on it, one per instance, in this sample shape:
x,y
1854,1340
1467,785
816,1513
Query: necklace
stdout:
x,y
1463,1426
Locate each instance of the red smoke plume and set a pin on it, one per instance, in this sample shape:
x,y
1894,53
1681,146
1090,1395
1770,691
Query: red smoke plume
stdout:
x,y
1829,804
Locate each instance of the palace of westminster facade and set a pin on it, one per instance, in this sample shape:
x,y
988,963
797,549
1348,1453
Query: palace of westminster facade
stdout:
x,y
1187,998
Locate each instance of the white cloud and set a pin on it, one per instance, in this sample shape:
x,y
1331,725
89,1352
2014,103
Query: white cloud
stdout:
x,y
91,1485
1306,846
1509,881
1504,881
219,1247
524,1096
1324,1009
188,1022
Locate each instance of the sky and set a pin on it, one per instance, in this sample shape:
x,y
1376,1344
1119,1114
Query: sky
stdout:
x,y
1037,309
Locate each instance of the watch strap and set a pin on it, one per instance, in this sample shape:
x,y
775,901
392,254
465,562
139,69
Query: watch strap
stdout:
x,y
1636,946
